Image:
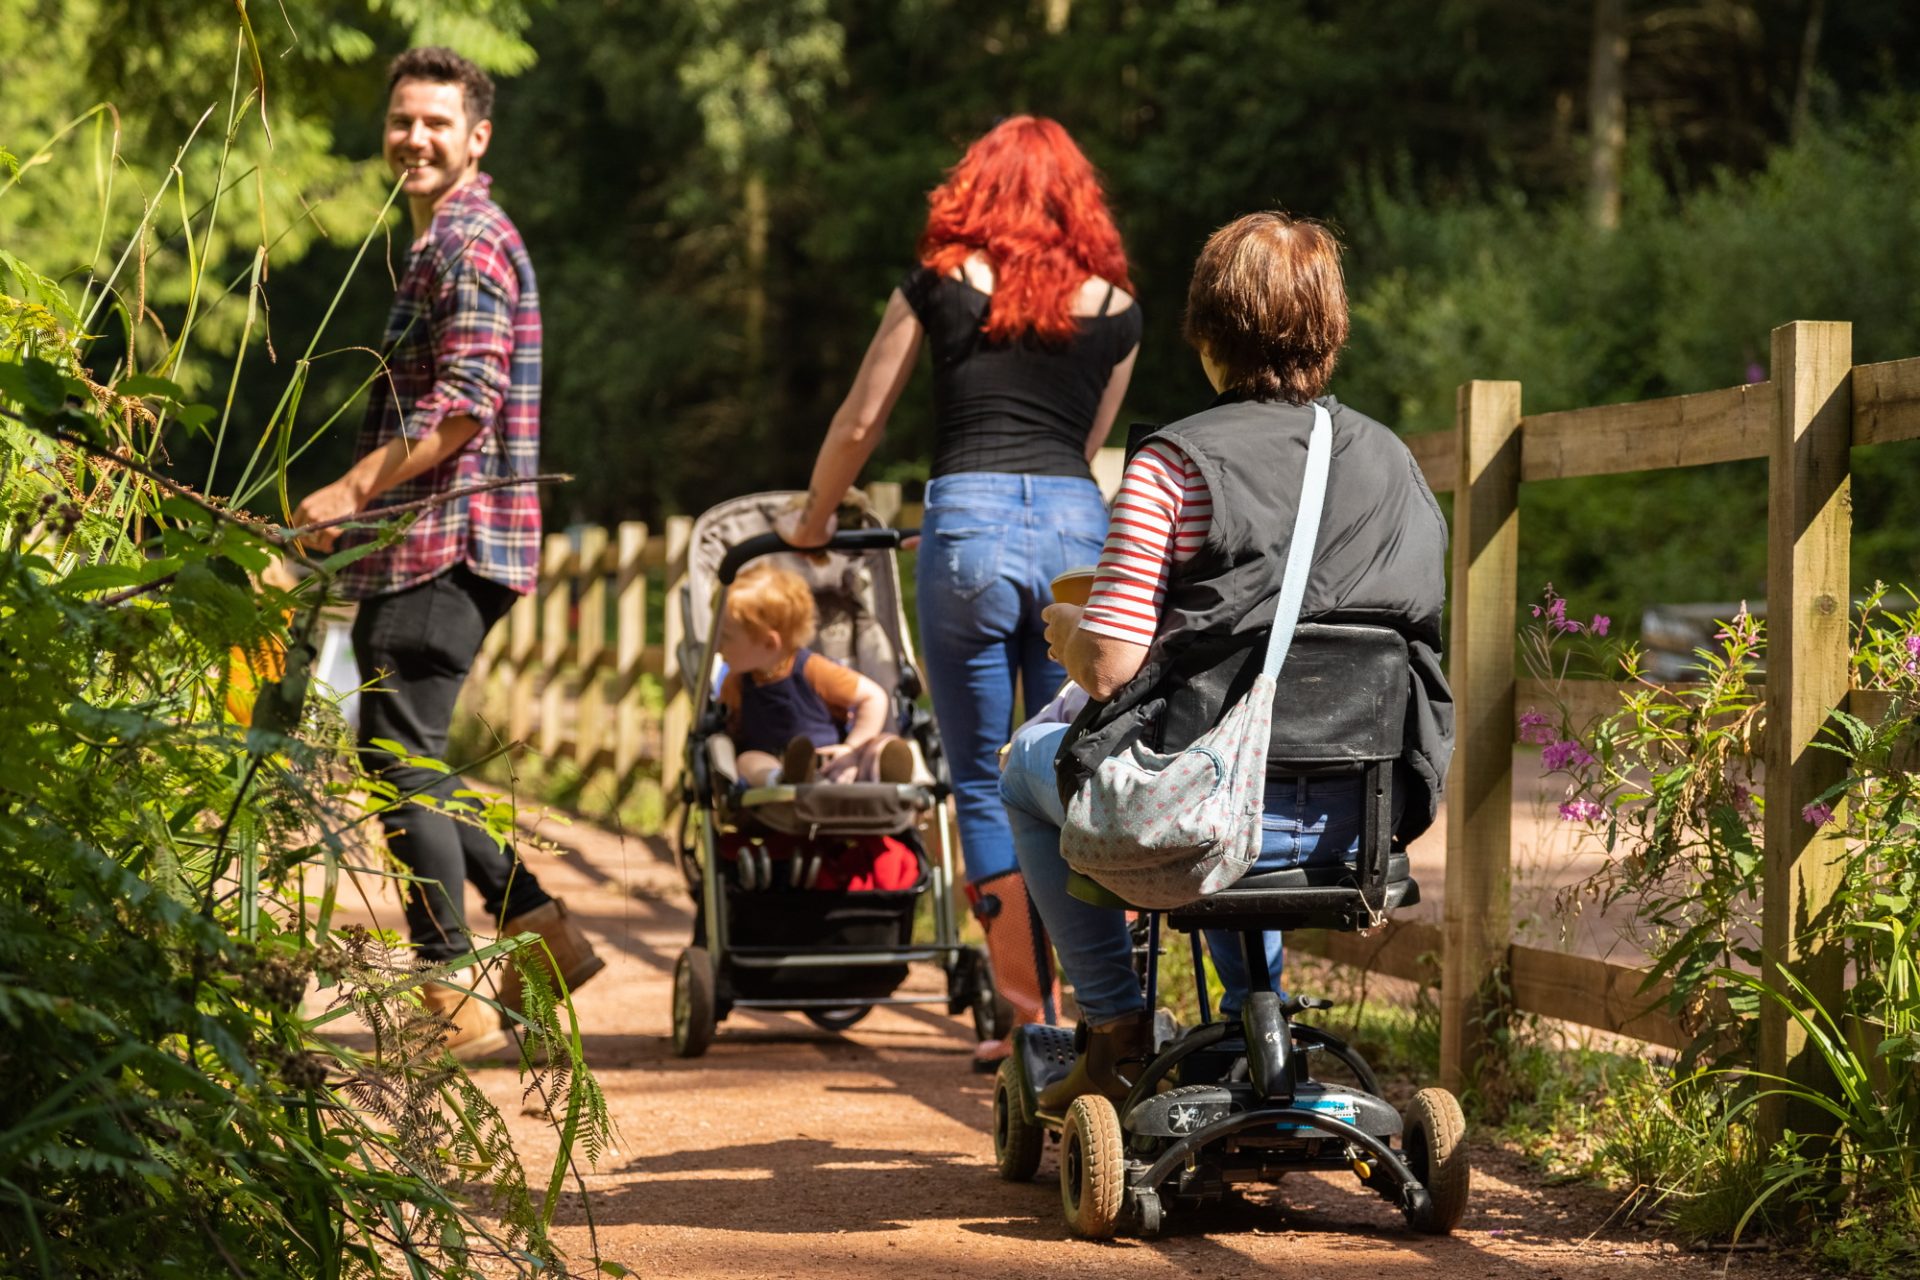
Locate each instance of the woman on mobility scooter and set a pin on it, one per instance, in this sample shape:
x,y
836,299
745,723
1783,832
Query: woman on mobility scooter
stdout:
x,y
1187,591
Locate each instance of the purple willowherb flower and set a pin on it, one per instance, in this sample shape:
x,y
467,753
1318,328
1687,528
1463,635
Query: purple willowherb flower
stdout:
x,y
1563,755
1912,664
1582,810
1818,814
1740,629
1600,624
1743,799
1534,727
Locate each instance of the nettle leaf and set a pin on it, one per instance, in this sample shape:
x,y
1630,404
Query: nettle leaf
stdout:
x,y
341,559
185,512
101,577
147,384
195,416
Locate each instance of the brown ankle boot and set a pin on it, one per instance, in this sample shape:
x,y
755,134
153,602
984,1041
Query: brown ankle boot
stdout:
x,y
1021,956
573,957
474,1030
1109,1063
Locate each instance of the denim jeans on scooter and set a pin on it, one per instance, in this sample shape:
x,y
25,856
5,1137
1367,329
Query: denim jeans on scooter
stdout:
x,y
1308,822
991,545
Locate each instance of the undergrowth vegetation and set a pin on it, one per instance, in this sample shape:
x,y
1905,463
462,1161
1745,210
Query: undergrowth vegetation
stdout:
x,y
1670,786
181,816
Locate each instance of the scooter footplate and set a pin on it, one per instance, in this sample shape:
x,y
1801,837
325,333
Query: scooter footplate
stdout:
x,y
1046,1054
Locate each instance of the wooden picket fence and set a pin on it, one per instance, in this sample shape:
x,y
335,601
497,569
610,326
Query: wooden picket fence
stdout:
x,y
565,673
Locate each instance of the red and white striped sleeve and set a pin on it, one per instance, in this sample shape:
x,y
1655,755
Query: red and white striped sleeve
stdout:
x,y
1160,518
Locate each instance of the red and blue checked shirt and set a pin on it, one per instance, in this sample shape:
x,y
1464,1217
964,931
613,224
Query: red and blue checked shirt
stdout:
x,y
463,337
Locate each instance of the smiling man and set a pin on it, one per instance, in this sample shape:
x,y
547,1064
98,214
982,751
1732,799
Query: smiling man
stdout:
x,y
458,403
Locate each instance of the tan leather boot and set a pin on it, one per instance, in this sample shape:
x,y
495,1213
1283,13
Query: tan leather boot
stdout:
x,y
574,958
1109,1062
474,1031
1022,960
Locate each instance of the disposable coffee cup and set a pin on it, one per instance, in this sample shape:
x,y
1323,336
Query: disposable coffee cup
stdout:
x,y
1075,585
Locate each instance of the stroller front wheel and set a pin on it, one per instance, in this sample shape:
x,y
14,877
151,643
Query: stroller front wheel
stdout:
x,y
693,1005
838,1019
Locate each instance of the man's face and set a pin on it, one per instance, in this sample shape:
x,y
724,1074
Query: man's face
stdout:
x,y
428,139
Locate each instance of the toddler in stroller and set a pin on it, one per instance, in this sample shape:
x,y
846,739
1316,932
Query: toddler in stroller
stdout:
x,y
791,711
802,846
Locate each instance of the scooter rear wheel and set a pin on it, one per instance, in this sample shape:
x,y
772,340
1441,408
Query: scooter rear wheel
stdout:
x,y
1434,1141
1093,1167
1017,1138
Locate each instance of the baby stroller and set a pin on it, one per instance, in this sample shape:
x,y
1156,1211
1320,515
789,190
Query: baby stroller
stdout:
x,y
1247,1099
807,893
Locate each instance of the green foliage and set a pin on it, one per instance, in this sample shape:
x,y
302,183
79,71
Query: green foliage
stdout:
x,y
177,813
1668,784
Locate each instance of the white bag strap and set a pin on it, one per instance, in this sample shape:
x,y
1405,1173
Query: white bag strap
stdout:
x,y
1306,532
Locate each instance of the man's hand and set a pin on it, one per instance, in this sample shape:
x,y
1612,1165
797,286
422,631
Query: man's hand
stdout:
x,y
332,502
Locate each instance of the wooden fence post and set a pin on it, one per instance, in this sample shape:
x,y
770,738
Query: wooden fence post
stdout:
x,y
590,715
521,625
883,496
630,642
1477,904
1809,534
678,719
556,595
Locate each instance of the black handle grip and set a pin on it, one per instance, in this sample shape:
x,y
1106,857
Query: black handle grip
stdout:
x,y
767,544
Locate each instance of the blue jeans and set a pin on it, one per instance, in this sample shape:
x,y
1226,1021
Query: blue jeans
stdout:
x,y
991,544
1307,823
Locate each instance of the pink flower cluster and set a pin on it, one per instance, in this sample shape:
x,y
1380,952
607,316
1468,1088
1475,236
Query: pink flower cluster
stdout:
x,y
1581,810
1818,814
1557,756
1535,727
1912,665
1555,613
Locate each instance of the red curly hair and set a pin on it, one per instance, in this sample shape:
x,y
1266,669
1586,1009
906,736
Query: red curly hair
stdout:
x,y
1027,199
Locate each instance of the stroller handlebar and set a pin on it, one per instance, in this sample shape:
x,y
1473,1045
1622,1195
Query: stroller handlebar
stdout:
x,y
767,544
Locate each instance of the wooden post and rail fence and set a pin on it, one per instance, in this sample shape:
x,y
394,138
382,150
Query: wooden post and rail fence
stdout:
x,y
565,673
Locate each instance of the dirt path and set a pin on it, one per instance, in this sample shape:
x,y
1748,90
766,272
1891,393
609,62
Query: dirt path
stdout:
x,y
786,1152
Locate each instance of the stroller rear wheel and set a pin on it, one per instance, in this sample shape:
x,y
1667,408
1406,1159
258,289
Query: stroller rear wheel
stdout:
x,y
838,1019
693,1004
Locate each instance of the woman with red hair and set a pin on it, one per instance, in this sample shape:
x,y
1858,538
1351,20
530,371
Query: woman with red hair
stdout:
x,y
1022,293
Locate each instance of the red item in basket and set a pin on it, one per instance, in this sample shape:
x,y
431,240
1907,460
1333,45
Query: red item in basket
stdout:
x,y
858,864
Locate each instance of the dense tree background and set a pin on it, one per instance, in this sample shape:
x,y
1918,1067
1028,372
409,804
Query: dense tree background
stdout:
x,y
1605,201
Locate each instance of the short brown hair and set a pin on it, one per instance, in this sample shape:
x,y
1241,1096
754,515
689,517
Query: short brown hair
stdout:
x,y
1268,305
766,599
436,65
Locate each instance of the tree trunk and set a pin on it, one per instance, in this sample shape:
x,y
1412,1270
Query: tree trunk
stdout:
x,y
755,328
1606,113
1809,64
1058,11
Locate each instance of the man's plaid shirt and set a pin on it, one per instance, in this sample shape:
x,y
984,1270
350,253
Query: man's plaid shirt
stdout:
x,y
463,337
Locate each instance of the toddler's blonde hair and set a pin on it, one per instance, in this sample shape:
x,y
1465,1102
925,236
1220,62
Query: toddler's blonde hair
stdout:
x,y
767,599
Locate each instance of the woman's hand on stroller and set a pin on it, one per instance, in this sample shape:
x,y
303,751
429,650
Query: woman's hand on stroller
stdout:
x,y
797,532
